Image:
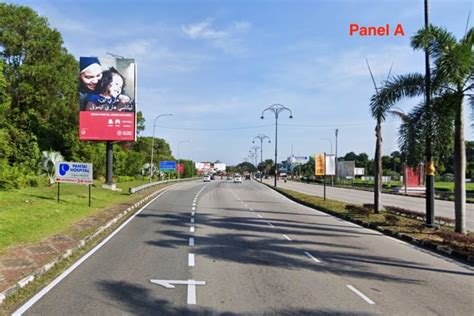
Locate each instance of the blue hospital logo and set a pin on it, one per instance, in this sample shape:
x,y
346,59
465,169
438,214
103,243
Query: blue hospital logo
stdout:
x,y
63,168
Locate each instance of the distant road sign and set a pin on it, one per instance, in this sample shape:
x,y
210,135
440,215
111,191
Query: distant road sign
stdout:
x,y
73,172
167,166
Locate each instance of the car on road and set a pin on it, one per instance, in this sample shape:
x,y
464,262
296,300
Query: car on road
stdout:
x,y
237,179
206,178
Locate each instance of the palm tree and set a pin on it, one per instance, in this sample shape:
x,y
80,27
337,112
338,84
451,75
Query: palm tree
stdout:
x,y
48,161
379,110
453,74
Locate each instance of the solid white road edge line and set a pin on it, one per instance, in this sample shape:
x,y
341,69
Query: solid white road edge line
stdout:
x,y
191,261
286,237
63,275
365,298
311,257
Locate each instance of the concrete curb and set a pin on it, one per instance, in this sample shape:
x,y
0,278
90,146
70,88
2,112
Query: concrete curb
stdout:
x,y
45,268
426,244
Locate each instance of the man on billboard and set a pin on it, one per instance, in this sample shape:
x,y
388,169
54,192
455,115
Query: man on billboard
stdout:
x,y
107,99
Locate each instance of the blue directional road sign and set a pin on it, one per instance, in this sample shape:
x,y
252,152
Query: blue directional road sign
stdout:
x,y
167,166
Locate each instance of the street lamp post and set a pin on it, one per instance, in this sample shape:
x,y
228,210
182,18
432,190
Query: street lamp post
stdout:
x,y
153,143
179,144
336,133
332,177
261,137
276,109
255,148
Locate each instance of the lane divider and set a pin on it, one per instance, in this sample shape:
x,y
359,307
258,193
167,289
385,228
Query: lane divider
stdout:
x,y
286,237
191,261
365,298
311,257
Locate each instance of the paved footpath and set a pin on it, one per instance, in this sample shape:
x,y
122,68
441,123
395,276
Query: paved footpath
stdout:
x,y
442,208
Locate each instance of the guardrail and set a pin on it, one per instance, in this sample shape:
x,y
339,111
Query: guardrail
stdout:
x,y
151,184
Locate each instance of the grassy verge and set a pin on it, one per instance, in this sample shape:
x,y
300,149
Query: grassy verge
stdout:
x,y
391,223
31,214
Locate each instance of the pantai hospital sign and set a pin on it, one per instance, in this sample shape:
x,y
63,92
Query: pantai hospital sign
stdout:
x,y
73,172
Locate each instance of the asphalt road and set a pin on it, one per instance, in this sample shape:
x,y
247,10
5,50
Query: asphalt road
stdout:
x,y
442,208
254,252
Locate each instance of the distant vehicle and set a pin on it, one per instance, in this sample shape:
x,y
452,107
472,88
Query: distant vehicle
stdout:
x,y
229,177
247,177
206,178
212,177
237,179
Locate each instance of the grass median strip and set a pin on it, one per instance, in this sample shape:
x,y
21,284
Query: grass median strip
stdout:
x,y
409,229
32,214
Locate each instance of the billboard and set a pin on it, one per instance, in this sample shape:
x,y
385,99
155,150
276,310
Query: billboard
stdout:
x,y
167,166
73,172
219,167
330,165
202,167
107,99
346,169
319,168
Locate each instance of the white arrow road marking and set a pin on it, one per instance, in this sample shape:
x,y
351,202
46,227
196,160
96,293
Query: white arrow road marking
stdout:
x,y
190,283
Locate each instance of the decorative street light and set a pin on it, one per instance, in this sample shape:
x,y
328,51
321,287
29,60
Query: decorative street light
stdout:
x,y
276,109
261,137
153,143
179,144
255,148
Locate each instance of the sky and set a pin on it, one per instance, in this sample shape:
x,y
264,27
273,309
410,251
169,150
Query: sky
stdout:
x,y
216,65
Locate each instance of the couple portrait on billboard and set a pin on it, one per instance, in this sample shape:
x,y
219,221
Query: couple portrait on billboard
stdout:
x,y
107,98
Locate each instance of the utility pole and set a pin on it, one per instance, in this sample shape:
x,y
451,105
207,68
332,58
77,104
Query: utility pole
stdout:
x,y
336,132
430,168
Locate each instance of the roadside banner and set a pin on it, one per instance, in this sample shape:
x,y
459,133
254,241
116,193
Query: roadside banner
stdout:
x,y
73,172
320,168
330,165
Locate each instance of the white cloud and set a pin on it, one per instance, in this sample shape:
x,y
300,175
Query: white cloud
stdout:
x,y
229,39
203,30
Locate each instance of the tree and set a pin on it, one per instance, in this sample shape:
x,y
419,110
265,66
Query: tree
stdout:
x,y
452,73
41,83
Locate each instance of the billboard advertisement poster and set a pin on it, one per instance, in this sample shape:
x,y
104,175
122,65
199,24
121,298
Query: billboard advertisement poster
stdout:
x,y
346,169
180,168
219,167
73,172
330,165
107,99
202,167
319,168
167,166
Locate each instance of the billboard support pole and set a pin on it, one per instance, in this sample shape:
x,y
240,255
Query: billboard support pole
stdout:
x,y
109,162
59,183
89,195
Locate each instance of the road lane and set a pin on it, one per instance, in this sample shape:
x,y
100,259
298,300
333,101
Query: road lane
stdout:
x,y
442,208
116,279
253,268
